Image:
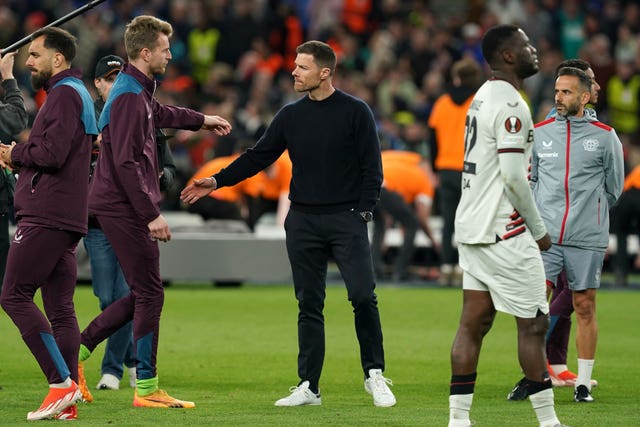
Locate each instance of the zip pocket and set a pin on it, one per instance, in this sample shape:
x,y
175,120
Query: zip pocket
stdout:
x,y
34,181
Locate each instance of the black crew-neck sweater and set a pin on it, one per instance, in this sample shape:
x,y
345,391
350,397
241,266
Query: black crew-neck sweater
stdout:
x,y
334,148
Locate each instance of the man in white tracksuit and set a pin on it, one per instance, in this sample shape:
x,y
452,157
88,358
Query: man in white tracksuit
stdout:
x,y
577,174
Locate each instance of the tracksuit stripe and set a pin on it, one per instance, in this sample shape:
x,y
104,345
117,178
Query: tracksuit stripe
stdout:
x,y
566,184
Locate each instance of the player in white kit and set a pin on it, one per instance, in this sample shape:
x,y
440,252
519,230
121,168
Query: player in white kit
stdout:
x,y
499,230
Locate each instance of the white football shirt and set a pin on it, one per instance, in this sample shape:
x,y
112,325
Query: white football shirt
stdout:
x,y
498,121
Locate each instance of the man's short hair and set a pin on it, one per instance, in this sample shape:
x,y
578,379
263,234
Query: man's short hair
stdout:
x,y
468,71
495,40
59,40
322,53
583,79
580,64
142,32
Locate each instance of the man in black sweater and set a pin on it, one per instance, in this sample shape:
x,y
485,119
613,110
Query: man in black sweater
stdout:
x,y
336,177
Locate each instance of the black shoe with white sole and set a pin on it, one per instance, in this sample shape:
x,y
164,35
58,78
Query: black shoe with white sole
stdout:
x,y
582,394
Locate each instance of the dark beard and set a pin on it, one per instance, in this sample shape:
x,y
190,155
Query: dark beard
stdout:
x,y
572,109
38,80
527,70
526,66
310,88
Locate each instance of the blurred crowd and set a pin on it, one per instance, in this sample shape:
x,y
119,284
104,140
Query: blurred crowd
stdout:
x,y
233,58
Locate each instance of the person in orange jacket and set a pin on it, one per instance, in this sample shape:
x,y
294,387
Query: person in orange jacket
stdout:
x,y
228,202
273,195
406,196
447,125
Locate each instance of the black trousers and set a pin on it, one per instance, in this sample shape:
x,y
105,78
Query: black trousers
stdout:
x,y
625,220
449,196
311,240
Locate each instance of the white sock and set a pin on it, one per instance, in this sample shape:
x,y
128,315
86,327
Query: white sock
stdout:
x,y
558,368
446,268
585,368
459,407
554,423
459,423
542,403
65,384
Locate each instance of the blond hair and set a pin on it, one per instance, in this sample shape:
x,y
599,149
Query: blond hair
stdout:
x,y
142,32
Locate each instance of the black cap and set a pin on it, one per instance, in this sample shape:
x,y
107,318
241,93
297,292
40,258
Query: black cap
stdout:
x,y
108,65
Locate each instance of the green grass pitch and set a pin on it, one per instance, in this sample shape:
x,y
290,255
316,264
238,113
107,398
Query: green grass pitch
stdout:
x,y
233,351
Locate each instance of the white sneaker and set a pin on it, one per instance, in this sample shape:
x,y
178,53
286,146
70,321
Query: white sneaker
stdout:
x,y
132,377
300,395
108,382
376,385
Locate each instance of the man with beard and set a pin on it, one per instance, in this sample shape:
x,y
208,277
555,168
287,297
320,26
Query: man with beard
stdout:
x,y
561,304
124,198
584,156
53,166
333,144
499,230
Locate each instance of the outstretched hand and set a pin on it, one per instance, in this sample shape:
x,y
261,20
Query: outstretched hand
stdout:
x,y
217,125
199,189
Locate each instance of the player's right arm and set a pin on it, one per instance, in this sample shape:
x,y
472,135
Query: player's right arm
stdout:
x,y
519,194
514,135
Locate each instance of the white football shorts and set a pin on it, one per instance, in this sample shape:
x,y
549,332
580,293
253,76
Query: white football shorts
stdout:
x,y
511,271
